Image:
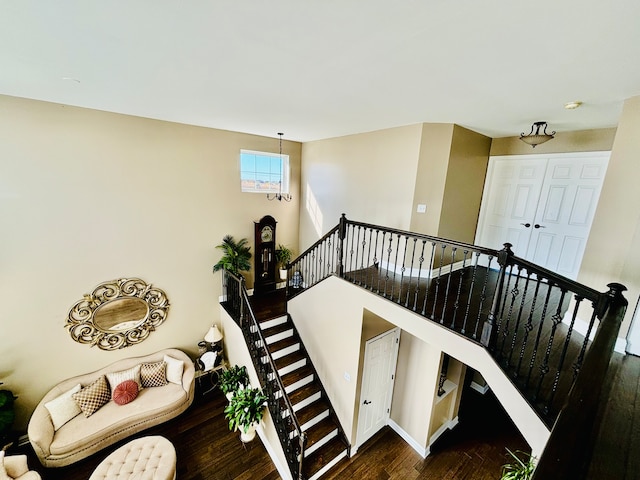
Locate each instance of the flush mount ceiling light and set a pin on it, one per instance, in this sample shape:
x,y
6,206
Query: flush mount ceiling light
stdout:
x,y
280,196
536,138
572,105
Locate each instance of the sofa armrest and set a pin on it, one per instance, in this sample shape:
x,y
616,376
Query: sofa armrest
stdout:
x,y
40,431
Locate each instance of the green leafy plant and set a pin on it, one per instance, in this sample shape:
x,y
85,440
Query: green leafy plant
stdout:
x,y
7,415
283,255
245,409
519,468
233,379
236,256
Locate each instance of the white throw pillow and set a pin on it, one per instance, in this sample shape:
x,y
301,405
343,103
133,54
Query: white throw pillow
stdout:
x,y
174,369
63,408
116,378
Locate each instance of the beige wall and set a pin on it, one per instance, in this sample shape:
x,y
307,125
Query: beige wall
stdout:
x,y
369,177
89,196
467,170
611,254
431,176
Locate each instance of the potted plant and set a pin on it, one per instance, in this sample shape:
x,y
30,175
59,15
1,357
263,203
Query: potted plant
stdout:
x,y
245,412
236,256
7,415
283,257
233,380
518,469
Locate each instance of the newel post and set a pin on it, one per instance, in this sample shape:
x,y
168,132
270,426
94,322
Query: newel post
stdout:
x,y
342,234
489,331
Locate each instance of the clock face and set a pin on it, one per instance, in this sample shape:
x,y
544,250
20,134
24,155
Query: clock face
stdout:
x,y
266,234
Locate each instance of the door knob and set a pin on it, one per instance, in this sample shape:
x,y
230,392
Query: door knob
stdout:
x,y
367,402
526,224
537,225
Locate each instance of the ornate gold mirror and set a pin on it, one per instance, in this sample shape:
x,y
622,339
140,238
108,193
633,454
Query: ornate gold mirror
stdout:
x,y
117,314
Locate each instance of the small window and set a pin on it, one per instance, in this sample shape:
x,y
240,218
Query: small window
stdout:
x,y
263,172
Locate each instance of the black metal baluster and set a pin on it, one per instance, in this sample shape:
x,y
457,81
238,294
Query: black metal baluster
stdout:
x,y
528,326
429,283
563,355
357,274
413,256
446,292
403,267
386,275
395,267
375,274
368,264
437,288
516,327
417,289
543,317
456,303
470,292
507,324
556,319
483,296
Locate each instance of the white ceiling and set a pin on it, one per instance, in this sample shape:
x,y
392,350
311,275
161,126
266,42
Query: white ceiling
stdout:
x,y
318,69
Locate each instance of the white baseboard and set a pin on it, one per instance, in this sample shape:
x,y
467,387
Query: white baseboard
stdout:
x,y
581,326
447,426
423,451
479,388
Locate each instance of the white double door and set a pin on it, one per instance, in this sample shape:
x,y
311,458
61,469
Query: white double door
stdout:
x,y
543,205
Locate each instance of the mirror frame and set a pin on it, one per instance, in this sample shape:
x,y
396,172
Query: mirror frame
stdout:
x,y
81,319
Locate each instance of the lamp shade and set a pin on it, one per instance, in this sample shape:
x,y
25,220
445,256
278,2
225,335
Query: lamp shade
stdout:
x,y
213,335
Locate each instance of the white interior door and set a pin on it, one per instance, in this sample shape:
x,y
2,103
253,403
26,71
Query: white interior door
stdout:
x,y
378,376
568,201
543,205
510,201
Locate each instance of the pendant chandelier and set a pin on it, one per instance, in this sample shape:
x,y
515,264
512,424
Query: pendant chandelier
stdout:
x,y
280,196
537,138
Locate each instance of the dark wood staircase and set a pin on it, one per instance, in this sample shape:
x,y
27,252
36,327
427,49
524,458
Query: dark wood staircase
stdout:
x,y
326,443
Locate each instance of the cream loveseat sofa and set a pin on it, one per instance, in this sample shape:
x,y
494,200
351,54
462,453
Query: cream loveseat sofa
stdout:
x,y
82,436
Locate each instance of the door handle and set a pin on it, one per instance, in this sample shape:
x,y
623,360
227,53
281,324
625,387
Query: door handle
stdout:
x,y
367,402
537,225
527,225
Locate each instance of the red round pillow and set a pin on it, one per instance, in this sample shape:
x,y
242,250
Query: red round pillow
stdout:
x,y
125,392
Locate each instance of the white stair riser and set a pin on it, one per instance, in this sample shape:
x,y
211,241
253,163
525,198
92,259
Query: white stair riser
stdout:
x,y
279,336
315,420
306,401
285,351
321,442
273,322
329,466
300,383
292,366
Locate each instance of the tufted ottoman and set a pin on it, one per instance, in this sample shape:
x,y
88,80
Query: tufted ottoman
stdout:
x,y
146,458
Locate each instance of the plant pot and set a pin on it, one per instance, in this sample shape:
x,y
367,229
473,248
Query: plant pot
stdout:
x,y
283,274
249,435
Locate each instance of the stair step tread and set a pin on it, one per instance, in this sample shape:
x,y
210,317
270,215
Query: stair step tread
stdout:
x,y
293,357
284,343
323,456
320,430
296,375
311,411
303,392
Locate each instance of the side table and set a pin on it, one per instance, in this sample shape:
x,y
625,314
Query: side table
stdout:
x,y
211,377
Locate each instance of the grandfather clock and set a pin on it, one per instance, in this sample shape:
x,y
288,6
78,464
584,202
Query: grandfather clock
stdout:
x,y
265,259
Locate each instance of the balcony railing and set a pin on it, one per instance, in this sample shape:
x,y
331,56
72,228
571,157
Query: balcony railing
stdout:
x,y
526,316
